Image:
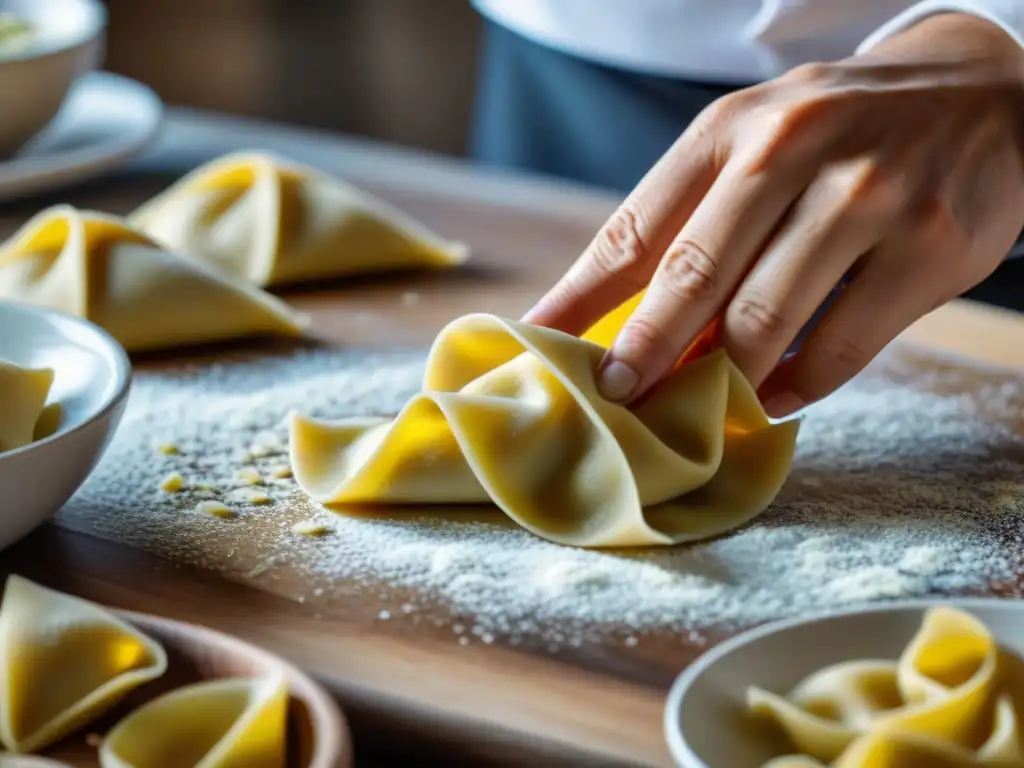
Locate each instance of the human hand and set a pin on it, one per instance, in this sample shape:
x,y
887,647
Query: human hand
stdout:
x,y
902,168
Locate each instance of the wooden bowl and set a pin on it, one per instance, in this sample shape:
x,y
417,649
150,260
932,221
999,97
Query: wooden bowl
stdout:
x,y
318,736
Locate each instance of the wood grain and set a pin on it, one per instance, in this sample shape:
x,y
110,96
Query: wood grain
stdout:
x,y
411,694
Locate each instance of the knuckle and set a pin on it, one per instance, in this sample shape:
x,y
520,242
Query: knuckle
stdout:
x,y
689,272
811,72
795,117
642,338
619,248
752,318
723,109
866,191
939,234
840,356
781,127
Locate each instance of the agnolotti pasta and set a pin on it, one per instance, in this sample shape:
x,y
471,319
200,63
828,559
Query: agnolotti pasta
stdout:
x,y
951,700
63,662
509,413
23,393
228,723
270,221
95,266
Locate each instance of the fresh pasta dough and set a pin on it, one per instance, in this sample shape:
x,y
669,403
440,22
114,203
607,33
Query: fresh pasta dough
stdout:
x,y
509,413
63,662
270,221
229,723
23,393
95,266
949,701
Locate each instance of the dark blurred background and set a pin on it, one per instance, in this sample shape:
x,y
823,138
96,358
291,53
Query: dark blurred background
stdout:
x,y
398,70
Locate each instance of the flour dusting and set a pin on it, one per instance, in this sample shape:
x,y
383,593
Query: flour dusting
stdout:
x,y
903,486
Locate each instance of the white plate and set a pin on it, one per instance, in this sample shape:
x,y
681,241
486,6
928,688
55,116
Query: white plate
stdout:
x,y
92,378
105,120
706,721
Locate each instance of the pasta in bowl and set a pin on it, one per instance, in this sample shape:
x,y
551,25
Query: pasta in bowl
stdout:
x,y
907,685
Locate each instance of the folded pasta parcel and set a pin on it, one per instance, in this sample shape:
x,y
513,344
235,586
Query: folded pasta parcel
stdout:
x,y
23,393
63,662
226,723
510,413
271,221
96,266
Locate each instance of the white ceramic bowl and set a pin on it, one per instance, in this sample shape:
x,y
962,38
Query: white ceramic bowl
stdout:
x,y
67,42
706,722
92,377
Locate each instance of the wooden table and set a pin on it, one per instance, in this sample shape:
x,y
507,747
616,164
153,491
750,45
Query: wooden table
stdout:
x,y
413,699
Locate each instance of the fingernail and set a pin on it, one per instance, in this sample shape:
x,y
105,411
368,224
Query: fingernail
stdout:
x,y
783,404
618,381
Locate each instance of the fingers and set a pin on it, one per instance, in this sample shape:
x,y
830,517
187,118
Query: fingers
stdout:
x,y
842,215
622,257
697,275
901,281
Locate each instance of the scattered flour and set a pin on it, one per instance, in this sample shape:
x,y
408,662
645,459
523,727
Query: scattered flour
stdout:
x,y
898,490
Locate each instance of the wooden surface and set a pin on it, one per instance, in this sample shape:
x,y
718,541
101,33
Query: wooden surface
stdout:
x,y
424,698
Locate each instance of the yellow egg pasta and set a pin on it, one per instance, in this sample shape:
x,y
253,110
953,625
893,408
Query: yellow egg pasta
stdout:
x,y
510,413
95,266
271,221
63,662
229,723
945,702
24,414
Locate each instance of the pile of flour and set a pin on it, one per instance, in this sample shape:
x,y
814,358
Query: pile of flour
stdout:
x,y
896,492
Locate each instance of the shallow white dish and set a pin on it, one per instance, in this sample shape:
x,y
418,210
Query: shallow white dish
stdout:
x,y
92,377
706,721
106,120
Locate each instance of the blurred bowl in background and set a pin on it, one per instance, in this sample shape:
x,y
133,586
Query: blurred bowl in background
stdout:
x,y
38,67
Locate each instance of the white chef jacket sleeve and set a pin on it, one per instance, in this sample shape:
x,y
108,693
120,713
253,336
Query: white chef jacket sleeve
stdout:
x,y
1008,14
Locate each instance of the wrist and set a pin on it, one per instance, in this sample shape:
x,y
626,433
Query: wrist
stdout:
x,y
955,38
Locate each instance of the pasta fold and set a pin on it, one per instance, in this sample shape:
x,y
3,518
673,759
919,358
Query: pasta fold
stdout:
x,y
510,413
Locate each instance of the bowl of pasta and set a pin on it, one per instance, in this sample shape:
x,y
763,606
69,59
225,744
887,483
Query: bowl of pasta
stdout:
x,y
45,46
900,685
147,691
64,384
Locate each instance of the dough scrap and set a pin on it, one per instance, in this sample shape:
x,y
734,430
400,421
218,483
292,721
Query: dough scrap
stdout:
x,y
509,413
271,221
95,266
952,699
63,662
227,723
23,393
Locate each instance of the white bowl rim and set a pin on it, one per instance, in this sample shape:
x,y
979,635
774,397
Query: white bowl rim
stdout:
x,y
122,373
98,19
678,746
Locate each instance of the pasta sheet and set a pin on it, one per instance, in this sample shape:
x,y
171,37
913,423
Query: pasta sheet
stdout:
x,y
510,413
